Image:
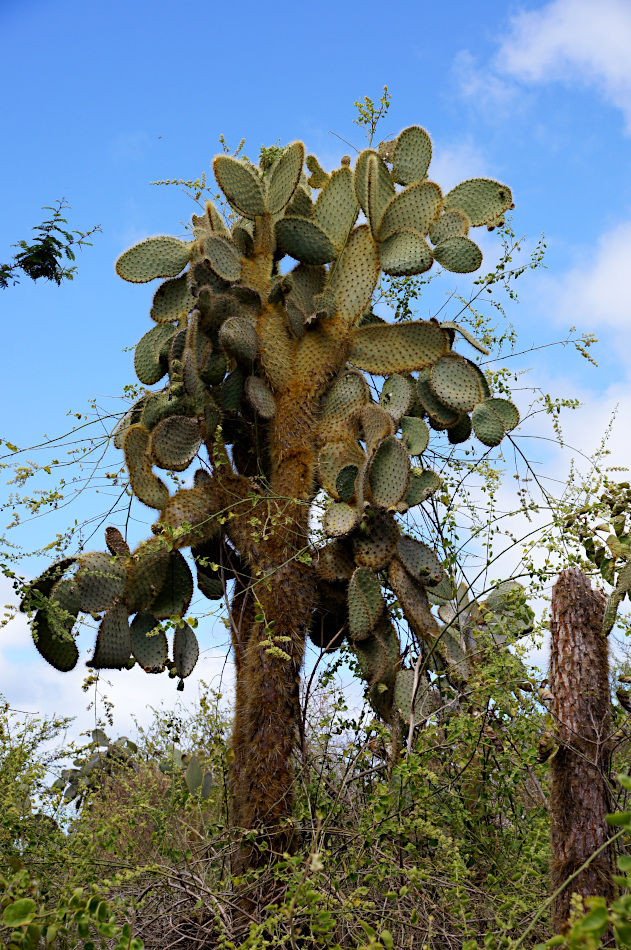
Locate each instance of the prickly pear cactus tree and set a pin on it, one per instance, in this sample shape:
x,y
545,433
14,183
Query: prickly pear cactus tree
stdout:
x,y
278,385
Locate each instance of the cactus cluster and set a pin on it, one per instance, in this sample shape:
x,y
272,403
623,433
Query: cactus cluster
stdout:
x,y
265,367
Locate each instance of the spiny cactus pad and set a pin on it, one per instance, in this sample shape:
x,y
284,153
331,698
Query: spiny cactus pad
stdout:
x,y
161,256
376,425
482,200
339,519
172,300
423,484
405,253
333,458
185,650
146,486
149,643
365,603
374,547
151,354
419,560
380,192
335,562
100,580
456,383
415,434
426,700
175,442
458,254
389,476
223,255
441,415
303,240
412,155
113,642
492,418
336,209
242,185
355,277
415,207
284,177
176,590
260,397
396,396
238,338
404,348
453,223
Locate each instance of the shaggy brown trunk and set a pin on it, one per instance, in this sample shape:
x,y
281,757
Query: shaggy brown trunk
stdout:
x,y
272,619
579,798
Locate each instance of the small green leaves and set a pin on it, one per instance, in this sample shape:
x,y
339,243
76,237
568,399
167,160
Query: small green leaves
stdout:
x,y
155,257
19,913
365,603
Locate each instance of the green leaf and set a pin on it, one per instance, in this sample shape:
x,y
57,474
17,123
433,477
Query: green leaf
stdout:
x,y
19,912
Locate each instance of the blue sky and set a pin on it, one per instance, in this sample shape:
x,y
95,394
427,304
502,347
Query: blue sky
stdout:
x,y
102,99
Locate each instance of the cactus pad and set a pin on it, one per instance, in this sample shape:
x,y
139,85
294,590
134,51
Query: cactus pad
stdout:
x,y
355,277
453,223
185,650
239,339
389,473
116,544
415,207
426,702
347,395
361,178
149,643
458,254
232,390
334,562
172,300
461,431
487,424
380,192
386,349
336,209
175,442
52,628
456,383
241,184
176,590
415,434
411,156
396,396
419,560
507,412
333,459
365,603
223,255
151,354
339,519
375,547
405,253
100,581
423,484
413,598
113,642
481,199
146,486
376,426
260,397
378,655
284,177
155,257
304,241
438,411
191,506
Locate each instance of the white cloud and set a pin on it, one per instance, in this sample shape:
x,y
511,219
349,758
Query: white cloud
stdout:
x,y
573,39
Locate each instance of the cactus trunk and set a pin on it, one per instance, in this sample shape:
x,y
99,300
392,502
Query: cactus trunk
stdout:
x,y
579,799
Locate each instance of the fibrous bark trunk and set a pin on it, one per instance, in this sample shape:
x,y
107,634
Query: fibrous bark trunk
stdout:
x,y
579,798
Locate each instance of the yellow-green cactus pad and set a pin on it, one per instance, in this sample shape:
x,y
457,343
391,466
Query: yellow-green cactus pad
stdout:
x,y
334,562
415,207
376,425
337,208
459,255
238,338
176,590
175,442
482,200
389,476
340,519
355,277
146,486
333,458
405,253
507,412
456,383
374,547
172,300
403,348
260,397
453,223
396,396
487,424
361,178
380,192
441,415
365,603
318,177
241,184
149,643
151,353
284,177
469,337
307,283
348,394
100,581
223,255
412,155
415,434
303,240
113,642
419,560
185,650
426,701
242,233
161,256
423,484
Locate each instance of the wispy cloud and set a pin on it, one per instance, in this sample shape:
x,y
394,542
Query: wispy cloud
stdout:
x,y
572,41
